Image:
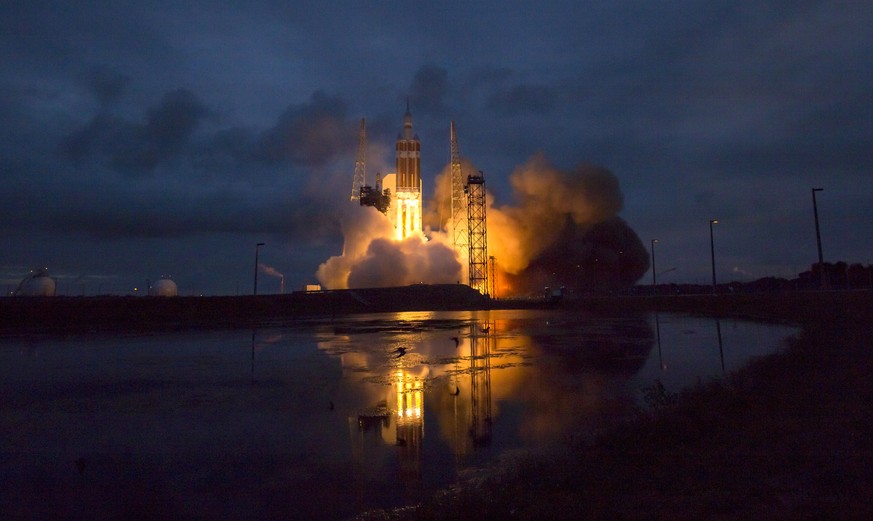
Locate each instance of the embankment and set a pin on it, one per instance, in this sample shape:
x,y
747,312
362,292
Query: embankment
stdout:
x,y
789,436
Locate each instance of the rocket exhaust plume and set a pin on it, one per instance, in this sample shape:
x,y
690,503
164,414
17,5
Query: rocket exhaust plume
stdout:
x,y
373,257
563,230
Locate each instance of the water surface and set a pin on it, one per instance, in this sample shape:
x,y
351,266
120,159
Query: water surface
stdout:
x,y
325,418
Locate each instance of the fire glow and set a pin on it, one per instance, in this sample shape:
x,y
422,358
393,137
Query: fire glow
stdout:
x,y
563,230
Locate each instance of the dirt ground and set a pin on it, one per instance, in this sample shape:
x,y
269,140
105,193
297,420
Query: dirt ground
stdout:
x,y
788,437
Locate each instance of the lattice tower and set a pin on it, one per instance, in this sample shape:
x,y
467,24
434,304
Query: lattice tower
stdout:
x,y
360,163
477,237
459,201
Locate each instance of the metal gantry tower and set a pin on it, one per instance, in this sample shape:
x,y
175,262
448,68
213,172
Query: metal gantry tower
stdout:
x,y
477,238
459,201
360,163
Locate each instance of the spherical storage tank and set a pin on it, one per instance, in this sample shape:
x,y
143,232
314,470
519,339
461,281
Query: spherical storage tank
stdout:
x,y
40,285
164,288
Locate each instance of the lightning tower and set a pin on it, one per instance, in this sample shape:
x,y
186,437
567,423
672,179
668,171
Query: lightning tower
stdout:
x,y
477,238
459,200
360,164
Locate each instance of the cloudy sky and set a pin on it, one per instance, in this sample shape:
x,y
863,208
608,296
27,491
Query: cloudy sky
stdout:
x,y
149,138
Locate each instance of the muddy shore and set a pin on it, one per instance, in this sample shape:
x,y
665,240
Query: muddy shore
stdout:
x,y
788,437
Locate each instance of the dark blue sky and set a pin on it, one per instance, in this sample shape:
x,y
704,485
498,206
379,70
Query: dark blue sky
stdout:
x,y
146,138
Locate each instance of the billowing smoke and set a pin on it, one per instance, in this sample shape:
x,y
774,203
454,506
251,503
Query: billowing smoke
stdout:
x,y
373,258
562,230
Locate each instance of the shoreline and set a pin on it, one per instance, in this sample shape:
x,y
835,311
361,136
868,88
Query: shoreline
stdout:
x,y
788,436
23,315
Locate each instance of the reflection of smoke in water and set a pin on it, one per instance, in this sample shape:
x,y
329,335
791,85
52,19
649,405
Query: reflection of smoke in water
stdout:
x,y
564,230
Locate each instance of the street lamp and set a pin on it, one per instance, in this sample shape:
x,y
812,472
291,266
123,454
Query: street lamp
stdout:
x,y
712,250
257,249
818,236
654,277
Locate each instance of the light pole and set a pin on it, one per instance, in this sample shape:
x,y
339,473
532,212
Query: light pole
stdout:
x,y
818,236
257,250
654,276
712,250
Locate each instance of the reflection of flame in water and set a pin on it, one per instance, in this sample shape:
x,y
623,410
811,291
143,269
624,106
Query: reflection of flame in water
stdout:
x,y
409,398
410,425
386,394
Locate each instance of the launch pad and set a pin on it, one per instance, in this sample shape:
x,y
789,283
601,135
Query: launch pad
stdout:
x,y
398,195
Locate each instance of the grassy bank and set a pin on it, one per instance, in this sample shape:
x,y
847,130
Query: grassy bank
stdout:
x,y
788,437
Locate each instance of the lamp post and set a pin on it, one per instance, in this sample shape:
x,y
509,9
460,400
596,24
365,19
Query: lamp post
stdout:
x,y
257,250
654,276
712,250
818,236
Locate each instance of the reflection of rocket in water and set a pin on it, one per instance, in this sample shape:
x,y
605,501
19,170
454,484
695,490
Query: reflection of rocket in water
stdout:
x,y
410,424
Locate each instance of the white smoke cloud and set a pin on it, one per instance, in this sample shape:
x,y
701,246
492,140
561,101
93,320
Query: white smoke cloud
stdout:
x,y
373,258
551,207
269,270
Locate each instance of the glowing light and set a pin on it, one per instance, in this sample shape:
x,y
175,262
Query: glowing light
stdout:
x,y
410,392
406,214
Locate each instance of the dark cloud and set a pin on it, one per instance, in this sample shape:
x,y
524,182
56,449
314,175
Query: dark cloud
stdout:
x,y
104,134
429,90
310,133
133,148
107,85
538,99
731,109
159,211
232,150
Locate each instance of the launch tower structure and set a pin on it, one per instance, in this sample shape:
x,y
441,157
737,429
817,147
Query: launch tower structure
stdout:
x,y
360,179
460,239
477,238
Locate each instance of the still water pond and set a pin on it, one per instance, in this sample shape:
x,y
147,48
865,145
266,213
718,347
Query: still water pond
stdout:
x,y
324,419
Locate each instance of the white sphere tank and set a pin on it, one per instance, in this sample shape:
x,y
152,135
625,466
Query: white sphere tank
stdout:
x,y
39,286
164,288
